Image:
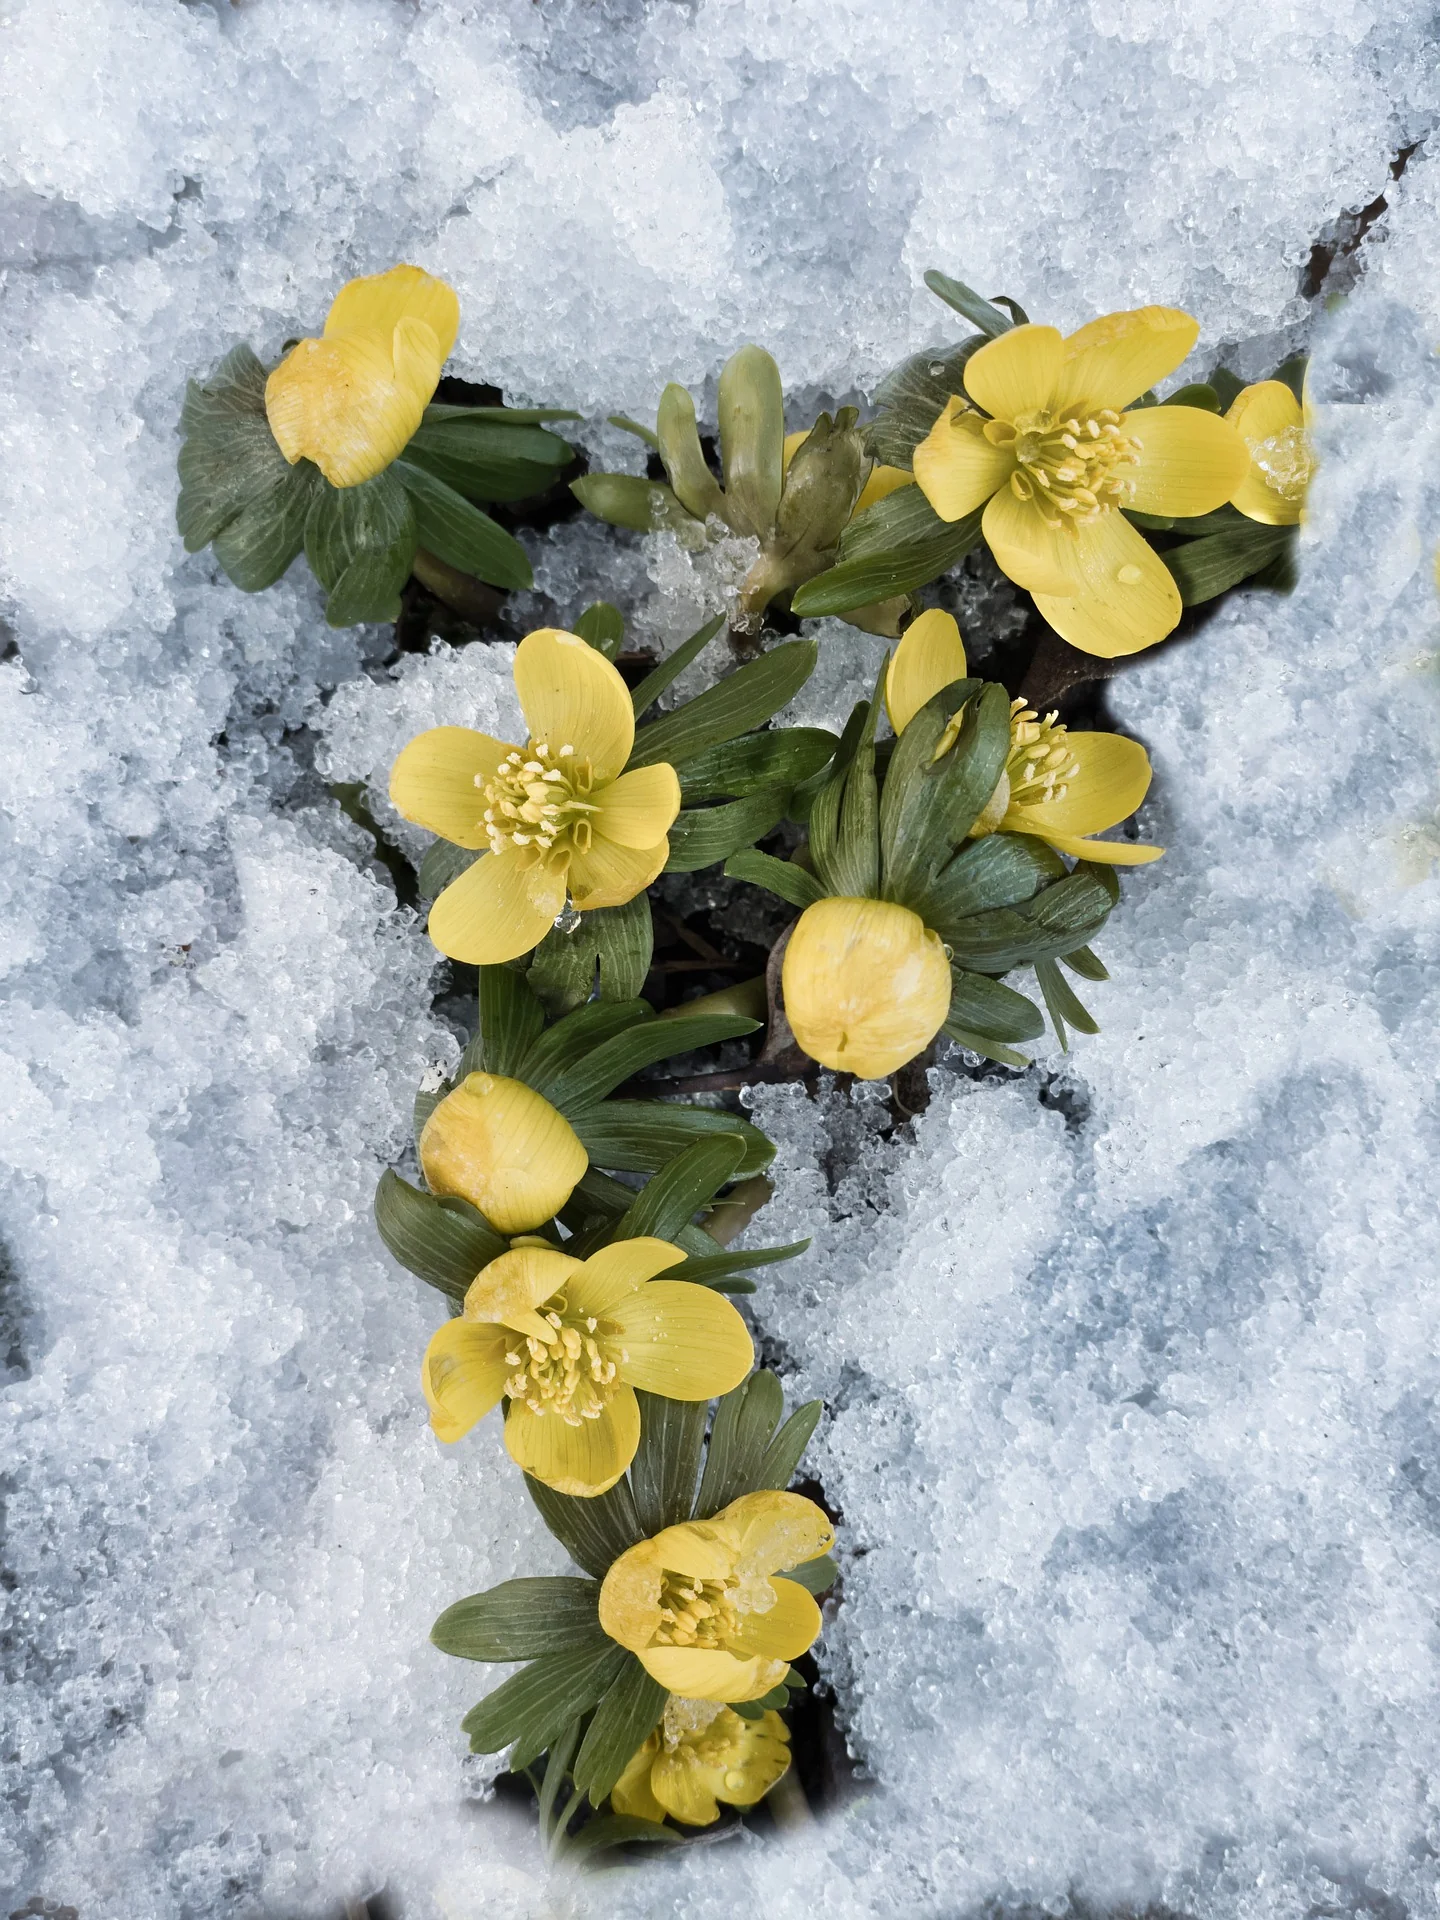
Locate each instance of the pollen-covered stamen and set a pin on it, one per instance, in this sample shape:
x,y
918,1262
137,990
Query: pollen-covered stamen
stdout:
x,y
538,801
1074,468
1287,463
695,1612
567,1372
1038,768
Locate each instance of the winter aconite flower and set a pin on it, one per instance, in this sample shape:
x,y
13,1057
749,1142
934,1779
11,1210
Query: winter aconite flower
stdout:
x,y
703,1606
1058,785
352,400
569,1341
501,1146
701,1754
1050,444
559,815
1275,428
867,985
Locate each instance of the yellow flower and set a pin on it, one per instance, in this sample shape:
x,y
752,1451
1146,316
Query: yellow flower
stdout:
x,y
867,985
569,1341
352,401
1275,428
1057,785
559,815
882,481
499,1145
1057,458
701,1605
700,1754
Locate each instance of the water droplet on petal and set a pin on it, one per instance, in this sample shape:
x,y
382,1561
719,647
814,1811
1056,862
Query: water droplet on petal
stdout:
x,y
1129,575
734,1780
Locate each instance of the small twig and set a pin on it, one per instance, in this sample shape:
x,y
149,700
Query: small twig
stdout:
x,y
762,1072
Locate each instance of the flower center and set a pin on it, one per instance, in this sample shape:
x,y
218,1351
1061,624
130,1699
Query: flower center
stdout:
x,y
696,1613
1038,768
1287,463
1072,469
538,803
565,1373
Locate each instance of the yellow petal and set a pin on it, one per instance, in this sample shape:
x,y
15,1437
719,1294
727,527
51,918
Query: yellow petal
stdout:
x,y
734,1760
867,985
1266,412
793,443
514,1284
346,405
632,1794
1112,361
637,810
929,657
498,1144
607,875
687,1787
583,1460
956,467
1035,554
1190,461
463,1375
700,1673
378,302
496,910
630,1591
572,696
774,1530
1015,373
681,1340
1112,778
784,1631
1124,597
607,1276
883,481
1109,853
439,778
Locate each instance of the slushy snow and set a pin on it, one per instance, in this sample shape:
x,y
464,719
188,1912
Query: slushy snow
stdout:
x,y
1131,1361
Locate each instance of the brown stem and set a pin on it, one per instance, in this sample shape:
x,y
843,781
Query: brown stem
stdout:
x,y
761,1073
461,592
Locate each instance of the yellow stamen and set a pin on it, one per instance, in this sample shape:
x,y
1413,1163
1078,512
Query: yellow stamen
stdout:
x,y
539,807
566,1373
1073,469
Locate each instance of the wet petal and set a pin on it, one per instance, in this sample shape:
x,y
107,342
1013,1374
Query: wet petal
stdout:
x,y
1108,853
956,467
496,910
341,403
1190,461
632,1793
702,1674
463,1375
501,1146
1264,412
1015,373
1125,597
1036,555
637,810
582,1460
786,1630
571,696
930,656
681,1340
607,875
438,779
616,1270
1112,361
378,302
775,1530
512,1286
1112,778
687,1787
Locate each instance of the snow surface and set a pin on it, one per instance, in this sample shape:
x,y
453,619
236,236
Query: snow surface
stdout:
x,y
1135,1423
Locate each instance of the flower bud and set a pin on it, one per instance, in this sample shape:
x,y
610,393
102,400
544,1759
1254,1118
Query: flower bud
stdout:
x,y
867,985
499,1145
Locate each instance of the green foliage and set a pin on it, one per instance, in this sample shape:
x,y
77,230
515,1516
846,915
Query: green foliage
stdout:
x,y
448,525
444,1242
746,698
521,1620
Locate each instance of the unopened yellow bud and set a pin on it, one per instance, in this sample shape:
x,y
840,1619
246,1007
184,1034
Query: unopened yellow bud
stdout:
x,y
867,985
499,1145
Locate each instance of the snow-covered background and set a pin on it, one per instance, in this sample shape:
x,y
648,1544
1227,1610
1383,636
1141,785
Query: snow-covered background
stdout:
x,y
1136,1430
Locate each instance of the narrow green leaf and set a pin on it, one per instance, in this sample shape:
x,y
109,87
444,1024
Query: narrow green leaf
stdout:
x,y
1062,916
1061,1001
704,836
985,1006
677,440
1217,561
782,1456
885,573
520,1619
853,868
626,1054
565,1044
667,671
448,525
614,943
639,1136
745,1422
534,1707
667,1461
705,1269
969,304
511,1020
1199,393
623,1720
745,699
444,1242
911,398
816,1576
668,1201
999,870
630,500
627,425
603,627
619,1830
938,802
593,1532
485,457
780,877
782,757
263,539
987,1049
1087,964
443,414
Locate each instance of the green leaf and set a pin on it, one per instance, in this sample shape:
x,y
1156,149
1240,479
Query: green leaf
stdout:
x,y
985,1006
1228,387
892,548
966,302
667,1461
1088,965
618,1830
443,862
667,671
444,1242
816,1576
936,802
511,1019
1061,917
594,1532
743,700
1199,393
705,1269
623,1720
1062,1003
999,870
626,1054
704,836
447,525
853,867
668,1201
745,1422
261,542
618,941
912,398
486,456
627,425
782,1456
360,542
987,1049
751,409
639,1136
565,1044
1206,567
534,1707
784,757
630,500
677,440
780,877
520,1619
603,627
